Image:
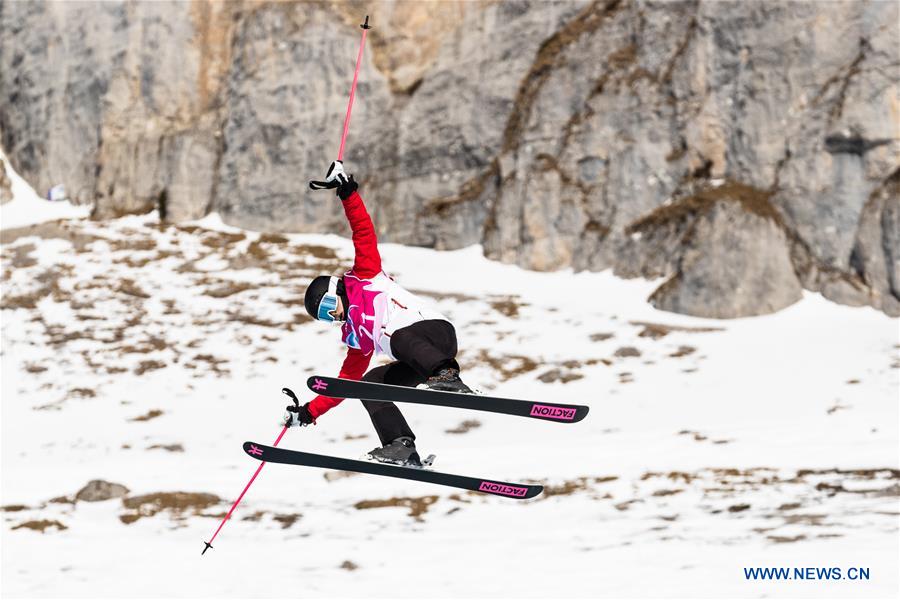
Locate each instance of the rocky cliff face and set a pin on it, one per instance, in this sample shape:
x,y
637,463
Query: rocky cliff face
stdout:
x,y
743,151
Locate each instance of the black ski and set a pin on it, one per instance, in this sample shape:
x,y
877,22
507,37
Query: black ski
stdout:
x,y
346,388
517,491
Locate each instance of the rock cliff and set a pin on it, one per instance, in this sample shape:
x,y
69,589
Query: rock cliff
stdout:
x,y
743,151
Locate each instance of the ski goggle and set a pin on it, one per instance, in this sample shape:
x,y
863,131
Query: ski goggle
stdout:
x,y
328,303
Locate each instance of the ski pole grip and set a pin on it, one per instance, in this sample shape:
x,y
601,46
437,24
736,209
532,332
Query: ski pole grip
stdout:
x,y
366,24
322,185
290,393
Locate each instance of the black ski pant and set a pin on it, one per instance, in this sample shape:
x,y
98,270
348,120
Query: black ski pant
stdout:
x,y
421,350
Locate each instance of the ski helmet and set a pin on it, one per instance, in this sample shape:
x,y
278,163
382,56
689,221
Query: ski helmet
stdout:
x,y
321,297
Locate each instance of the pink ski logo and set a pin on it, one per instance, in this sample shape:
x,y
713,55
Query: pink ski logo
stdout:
x,y
552,412
255,450
502,489
319,385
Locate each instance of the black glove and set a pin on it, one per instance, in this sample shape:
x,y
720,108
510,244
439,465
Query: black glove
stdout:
x,y
298,416
346,189
333,178
336,179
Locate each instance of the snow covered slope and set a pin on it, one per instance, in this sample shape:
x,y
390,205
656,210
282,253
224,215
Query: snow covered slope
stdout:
x,y
27,207
144,355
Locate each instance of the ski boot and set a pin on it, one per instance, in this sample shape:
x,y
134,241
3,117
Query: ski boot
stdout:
x,y
446,380
401,451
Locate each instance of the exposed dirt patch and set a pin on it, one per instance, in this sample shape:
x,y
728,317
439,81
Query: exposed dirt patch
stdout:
x,y
220,239
672,476
417,506
151,344
566,488
318,252
148,365
46,231
130,288
464,427
838,488
167,447
601,337
623,506
228,288
816,520
213,363
287,520
507,306
273,238
559,375
627,352
49,287
13,508
698,437
779,539
250,319
41,525
80,392
683,351
509,365
446,296
885,473
152,414
20,256
349,565
177,503
133,244
659,330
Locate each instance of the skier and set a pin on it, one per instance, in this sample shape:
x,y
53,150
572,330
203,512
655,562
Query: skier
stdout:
x,y
378,316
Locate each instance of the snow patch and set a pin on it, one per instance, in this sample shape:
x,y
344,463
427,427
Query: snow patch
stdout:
x,y
29,208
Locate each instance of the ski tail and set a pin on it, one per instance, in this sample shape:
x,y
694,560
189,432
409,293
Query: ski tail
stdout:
x,y
518,491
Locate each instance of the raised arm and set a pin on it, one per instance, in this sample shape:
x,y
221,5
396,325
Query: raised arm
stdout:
x,y
368,261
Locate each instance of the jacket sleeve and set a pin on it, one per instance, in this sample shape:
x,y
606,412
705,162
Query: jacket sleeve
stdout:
x,y
354,366
368,261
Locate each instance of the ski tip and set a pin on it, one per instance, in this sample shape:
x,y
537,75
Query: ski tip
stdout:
x,y
206,547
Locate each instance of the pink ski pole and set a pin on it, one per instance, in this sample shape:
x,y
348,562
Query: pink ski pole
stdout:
x,y
208,544
365,27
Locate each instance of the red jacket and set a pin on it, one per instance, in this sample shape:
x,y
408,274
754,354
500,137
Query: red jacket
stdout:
x,y
366,264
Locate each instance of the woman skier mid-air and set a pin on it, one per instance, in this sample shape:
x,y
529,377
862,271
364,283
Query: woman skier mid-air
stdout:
x,y
378,316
